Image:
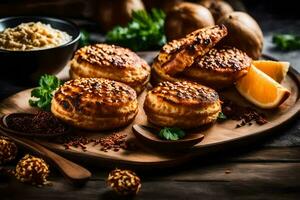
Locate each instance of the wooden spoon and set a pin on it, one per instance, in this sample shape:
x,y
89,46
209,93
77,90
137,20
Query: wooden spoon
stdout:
x,y
149,136
75,173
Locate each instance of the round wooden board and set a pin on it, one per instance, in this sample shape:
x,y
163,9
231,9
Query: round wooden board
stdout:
x,y
218,136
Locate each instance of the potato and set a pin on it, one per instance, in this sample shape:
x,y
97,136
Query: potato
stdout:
x,y
185,18
165,5
243,33
217,8
117,12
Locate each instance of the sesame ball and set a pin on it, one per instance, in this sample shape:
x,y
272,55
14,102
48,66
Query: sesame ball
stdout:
x,y
32,170
8,150
124,182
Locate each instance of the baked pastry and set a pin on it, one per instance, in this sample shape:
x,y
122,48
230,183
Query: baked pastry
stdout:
x,y
182,104
95,103
111,62
178,55
219,67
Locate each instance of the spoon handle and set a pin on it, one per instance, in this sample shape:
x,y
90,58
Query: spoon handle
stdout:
x,y
72,171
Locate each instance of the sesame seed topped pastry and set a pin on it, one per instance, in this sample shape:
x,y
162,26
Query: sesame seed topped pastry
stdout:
x,y
178,55
219,67
95,103
182,104
111,62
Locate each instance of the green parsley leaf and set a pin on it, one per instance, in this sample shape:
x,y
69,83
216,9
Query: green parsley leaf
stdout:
x,y
42,95
84,39
144,32
287,41
222,116
171,133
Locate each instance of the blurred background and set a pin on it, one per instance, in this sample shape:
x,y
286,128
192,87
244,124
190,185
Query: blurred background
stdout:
x,y
96,10
96,18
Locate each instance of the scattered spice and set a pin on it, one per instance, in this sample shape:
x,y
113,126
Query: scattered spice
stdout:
x,y
246,115
76,141
124,182
40,123
113,142
32,170
8,150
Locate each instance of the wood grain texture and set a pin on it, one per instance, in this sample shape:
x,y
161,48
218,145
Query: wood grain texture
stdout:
x,y
245,181
219,136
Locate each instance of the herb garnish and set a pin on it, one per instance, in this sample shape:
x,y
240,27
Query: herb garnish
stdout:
x,y
287,41
43,94
85,38
144,32
171,133
222,116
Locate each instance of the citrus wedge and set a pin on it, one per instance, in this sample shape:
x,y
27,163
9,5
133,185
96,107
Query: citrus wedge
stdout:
x,y
275,69
261,90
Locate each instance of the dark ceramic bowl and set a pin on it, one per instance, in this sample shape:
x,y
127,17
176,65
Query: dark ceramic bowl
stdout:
x,y
28,66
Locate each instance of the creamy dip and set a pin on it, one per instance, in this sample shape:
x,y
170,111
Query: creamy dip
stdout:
x,y
32,36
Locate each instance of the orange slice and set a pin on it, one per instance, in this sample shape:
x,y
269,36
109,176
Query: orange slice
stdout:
x,y
275,69
261,90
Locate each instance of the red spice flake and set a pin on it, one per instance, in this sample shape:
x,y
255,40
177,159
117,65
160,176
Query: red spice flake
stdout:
x,y
113,142
246,115
40,123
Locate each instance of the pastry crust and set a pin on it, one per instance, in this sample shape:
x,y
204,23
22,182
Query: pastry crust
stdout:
x,y
219,68
182,104
111,62
95,103
178,55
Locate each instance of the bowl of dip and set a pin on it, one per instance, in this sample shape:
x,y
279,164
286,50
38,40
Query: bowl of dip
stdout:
x,y
31,46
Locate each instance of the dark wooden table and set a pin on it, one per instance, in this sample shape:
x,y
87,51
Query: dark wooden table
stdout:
x,y
265,169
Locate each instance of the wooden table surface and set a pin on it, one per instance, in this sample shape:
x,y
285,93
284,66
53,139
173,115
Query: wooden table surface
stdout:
x,y
265,169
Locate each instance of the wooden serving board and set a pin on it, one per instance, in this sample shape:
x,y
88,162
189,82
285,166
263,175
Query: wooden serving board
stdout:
x,y
219,136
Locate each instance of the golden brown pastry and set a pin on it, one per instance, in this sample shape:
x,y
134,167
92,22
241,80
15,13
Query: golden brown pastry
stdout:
x,y
95,103
182,104
111,62
178,55
219,67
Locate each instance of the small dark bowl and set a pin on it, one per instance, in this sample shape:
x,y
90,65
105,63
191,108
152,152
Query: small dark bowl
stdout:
x,y
27,66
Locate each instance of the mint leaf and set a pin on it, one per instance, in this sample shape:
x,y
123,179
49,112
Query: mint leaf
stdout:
x,y
171,133
42,95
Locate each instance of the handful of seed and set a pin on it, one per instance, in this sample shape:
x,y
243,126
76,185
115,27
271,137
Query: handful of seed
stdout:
x,y
124,182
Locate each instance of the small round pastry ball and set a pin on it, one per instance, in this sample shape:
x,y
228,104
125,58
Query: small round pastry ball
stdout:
x,y
124,182
8,150
182,104
111,62
95,103
32,170
185,18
